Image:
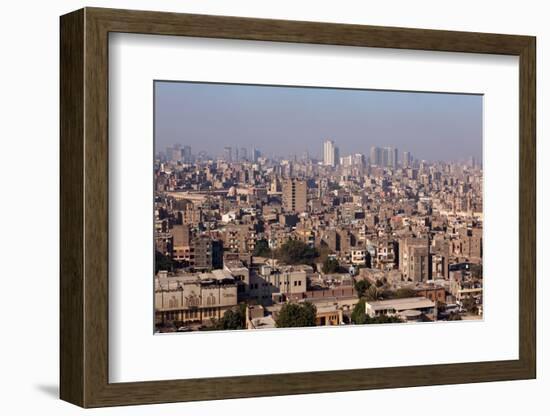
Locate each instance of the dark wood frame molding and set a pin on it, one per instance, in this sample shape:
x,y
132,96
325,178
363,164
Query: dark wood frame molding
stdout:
x,y
84,209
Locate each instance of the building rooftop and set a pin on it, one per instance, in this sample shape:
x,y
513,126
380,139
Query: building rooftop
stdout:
x,y
235,266
326,308
264,322
218,274
402,304
166,282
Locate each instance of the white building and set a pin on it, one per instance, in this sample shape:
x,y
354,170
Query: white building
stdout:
x,y
358,256
331,154
229,216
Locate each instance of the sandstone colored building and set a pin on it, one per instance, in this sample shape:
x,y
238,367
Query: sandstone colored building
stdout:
x,y
194,298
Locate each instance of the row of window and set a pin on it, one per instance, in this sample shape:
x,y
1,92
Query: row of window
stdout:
x,y
191,315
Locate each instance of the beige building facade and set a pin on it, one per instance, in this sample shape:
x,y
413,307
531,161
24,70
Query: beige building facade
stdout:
x,y
294,195
194,297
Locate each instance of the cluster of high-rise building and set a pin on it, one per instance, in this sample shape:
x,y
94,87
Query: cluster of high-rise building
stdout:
x,y
378,156
240,154
402,225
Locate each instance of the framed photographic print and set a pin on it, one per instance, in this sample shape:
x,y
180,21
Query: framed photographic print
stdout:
x,y
255,207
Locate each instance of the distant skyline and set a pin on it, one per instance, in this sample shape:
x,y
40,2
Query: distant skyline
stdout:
x,y
286,121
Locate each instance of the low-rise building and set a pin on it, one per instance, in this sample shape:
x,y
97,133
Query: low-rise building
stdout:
x,y
393,307
241,274
359,257
194,298
328,314
257,319
433,292
461,289
287,279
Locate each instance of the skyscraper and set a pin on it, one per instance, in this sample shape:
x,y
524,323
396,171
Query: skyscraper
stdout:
x,y
407,160
331,155
392,157
357,160
376,156
389,157
227,154
255,155
386,156
243,154
186,154
294,195
174,153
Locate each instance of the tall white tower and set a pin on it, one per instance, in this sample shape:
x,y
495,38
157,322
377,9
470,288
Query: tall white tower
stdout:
x,y
329,153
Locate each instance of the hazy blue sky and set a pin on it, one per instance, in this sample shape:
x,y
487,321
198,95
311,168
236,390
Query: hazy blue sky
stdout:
x,y
283,121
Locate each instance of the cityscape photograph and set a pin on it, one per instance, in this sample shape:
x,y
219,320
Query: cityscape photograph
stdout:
x,y
285,206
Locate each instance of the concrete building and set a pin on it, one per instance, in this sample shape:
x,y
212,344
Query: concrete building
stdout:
x,y
462,288
432,292
164,243
202,252
414,259
287,279
256,318
359,257
470,243
239,238
294,195
386,254
241,274
394,307
181,240
277,283
193,298
328,314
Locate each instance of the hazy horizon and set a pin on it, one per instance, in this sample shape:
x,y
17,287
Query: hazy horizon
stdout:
x,y
286,121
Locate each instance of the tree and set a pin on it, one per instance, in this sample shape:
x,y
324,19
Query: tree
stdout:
x,y
361,286
331,265
296,252
163,262
404,293
232,319
294,315
373,293
262,249
359,315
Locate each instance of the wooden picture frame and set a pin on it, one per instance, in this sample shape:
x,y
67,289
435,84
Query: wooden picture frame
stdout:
x,y
84,207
